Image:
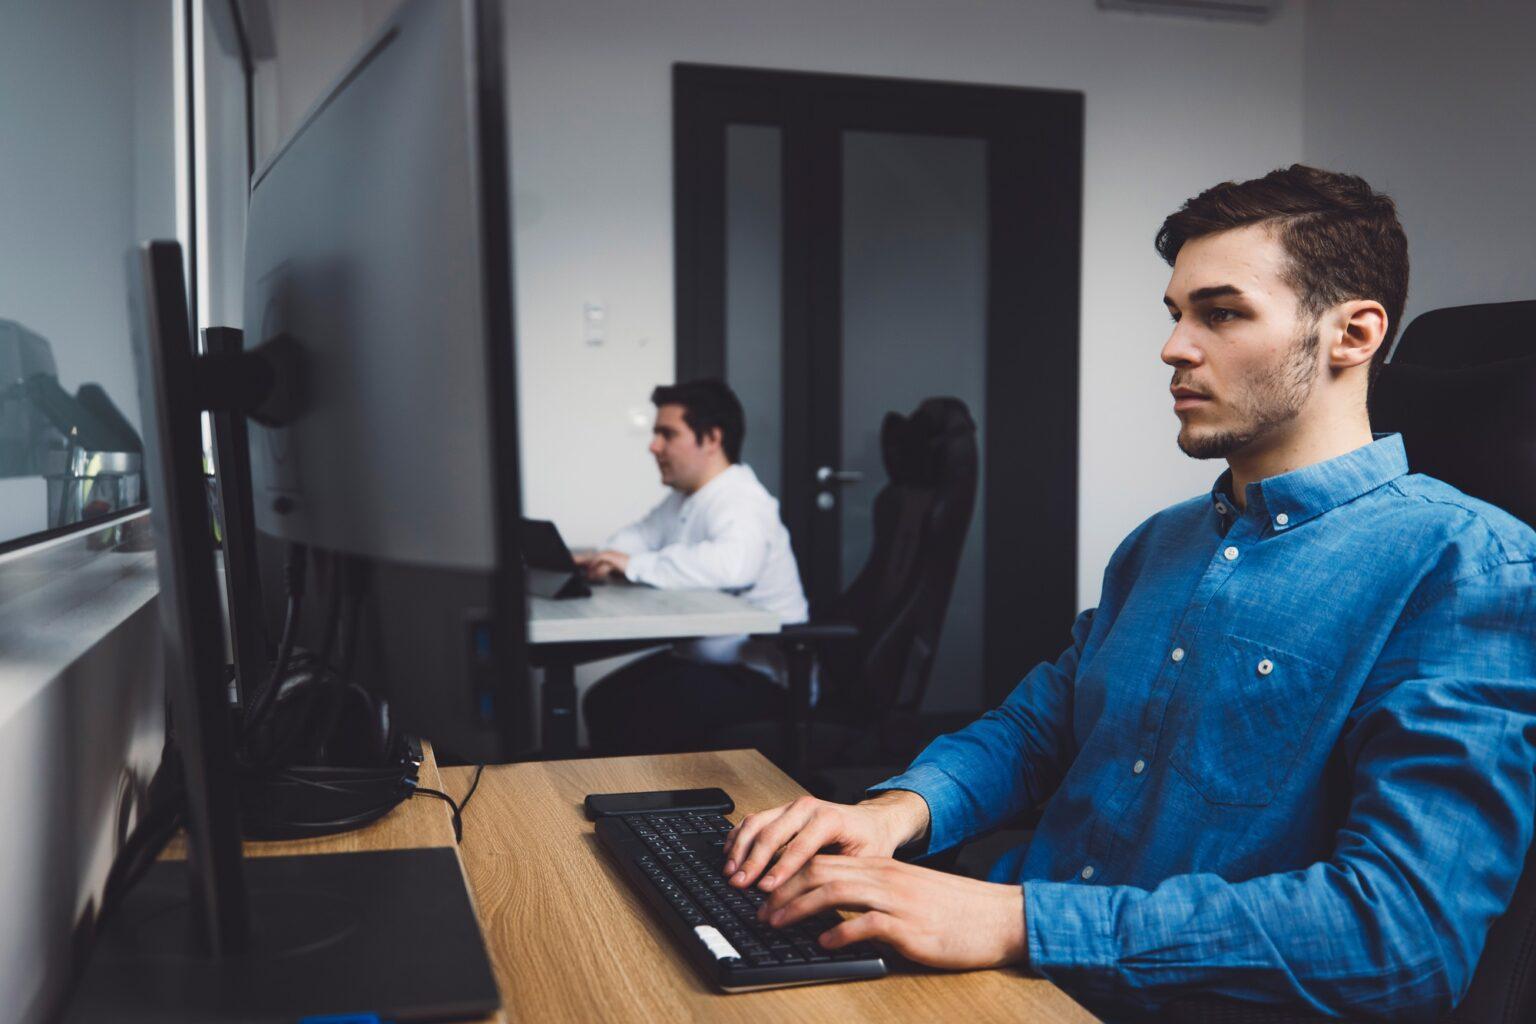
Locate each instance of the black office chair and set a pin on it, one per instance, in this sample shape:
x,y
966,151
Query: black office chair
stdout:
x,y
1461,389
875,643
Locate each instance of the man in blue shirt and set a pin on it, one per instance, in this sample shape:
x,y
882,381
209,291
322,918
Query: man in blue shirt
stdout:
x,y
1291,756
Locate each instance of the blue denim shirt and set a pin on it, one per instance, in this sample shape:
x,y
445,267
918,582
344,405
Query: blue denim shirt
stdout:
x,y
1290,757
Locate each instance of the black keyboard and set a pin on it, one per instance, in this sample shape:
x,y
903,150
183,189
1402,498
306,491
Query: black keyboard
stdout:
x,y
675,860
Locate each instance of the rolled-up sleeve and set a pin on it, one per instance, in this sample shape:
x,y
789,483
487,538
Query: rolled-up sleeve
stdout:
x,y
1441,754
1005,762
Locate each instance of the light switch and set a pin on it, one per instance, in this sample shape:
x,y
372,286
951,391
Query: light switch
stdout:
x,y
594,316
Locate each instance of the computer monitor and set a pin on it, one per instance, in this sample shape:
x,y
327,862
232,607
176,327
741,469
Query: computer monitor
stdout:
x,y
378,250
377,371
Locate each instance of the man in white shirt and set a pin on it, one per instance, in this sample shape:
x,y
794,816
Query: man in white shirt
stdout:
x,y
718,529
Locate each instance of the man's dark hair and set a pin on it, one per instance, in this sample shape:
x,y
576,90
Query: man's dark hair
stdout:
x,y
1342,238
708,403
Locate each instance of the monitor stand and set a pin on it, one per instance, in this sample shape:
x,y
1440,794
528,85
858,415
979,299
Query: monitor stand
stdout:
x,y
390,933
221,937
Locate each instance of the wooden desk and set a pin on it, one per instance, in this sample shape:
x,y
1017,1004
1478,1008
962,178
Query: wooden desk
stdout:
x,y
571,941
617,618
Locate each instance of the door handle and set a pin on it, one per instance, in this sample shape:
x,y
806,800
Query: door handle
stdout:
x,y
827,475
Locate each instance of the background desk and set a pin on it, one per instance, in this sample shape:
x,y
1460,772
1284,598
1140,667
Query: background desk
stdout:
x,y
617,618
571,941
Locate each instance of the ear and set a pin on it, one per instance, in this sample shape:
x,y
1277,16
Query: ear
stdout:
x,y
1354,331
713,438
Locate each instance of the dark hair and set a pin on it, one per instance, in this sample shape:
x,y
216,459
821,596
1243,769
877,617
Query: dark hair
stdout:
x,y
708,403
1343,239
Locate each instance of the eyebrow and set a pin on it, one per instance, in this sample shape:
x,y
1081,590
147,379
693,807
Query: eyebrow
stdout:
x,y
1215,291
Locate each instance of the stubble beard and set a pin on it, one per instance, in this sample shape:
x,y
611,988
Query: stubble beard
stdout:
x,y
1266,404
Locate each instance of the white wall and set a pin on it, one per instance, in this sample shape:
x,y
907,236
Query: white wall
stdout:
x,y
1431,102
1173,105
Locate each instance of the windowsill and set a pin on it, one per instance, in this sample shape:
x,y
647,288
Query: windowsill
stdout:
x,y
60,598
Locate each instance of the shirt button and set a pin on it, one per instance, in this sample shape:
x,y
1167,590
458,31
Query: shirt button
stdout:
x,y
1139,767
1229,554
1266,667
1221,509
1087,872
1178,654
1282,519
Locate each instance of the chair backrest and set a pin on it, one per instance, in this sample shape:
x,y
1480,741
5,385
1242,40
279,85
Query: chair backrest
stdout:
x,y
899,598
1461,389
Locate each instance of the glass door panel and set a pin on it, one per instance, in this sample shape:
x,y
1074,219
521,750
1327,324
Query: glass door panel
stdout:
x,y
914,305
754,265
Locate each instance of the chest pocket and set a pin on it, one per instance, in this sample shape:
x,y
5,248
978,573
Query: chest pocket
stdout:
x,y
1244,727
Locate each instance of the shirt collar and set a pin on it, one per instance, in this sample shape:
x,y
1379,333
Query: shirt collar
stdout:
x,y
1292,498
721,481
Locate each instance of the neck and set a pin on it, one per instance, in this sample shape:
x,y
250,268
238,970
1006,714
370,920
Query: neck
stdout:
x,y
1304,444
714,470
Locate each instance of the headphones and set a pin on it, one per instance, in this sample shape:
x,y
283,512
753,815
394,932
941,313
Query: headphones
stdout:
x,y
325,758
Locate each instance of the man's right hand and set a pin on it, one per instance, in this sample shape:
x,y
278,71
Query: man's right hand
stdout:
x,y
798,831
599,565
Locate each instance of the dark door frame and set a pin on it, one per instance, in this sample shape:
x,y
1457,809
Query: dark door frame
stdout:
x,y
1035,171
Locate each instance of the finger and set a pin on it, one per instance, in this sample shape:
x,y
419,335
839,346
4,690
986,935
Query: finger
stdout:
x,y
818,832
823,869
769,841
738,843
739,839
842,894
816,872
873,924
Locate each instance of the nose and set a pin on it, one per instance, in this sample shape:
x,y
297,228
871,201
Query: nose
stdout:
x,y
656,445
1179,350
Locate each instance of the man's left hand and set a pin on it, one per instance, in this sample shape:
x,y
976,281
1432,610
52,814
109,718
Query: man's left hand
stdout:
x,y
927,916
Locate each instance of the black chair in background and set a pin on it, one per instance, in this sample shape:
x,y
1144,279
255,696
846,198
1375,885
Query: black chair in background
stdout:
x,y
1461,389
873,646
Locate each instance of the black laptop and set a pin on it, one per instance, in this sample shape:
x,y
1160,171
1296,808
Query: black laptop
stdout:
x,y
547,563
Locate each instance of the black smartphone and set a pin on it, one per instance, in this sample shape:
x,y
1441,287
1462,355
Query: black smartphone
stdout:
x,y
696,801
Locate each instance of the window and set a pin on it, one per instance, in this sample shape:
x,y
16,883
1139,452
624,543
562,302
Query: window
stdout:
x,y
92,106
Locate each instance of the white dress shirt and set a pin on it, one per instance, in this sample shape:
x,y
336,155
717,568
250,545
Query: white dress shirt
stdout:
x,y
726,536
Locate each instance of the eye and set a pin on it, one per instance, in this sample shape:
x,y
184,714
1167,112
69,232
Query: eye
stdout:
x,y
1220,315
1173,316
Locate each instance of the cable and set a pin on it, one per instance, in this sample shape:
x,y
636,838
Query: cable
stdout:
x,y
349,592
164,814
473,785
375,791
295,567
458,810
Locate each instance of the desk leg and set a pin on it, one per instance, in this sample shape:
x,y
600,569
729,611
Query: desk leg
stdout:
x,y
802,662
559,739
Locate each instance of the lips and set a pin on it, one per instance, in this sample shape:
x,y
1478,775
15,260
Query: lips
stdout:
x,y
1187,398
